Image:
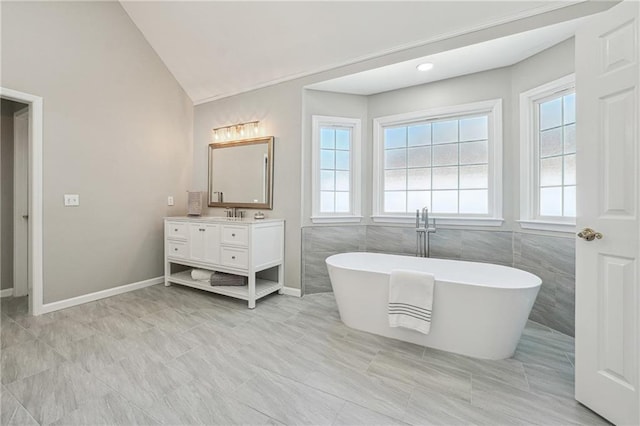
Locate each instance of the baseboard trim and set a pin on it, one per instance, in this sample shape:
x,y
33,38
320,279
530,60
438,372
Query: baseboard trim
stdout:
x,y
292,291
7,292
79,300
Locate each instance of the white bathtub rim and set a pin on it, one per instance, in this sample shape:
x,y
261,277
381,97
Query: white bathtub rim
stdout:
x,y
535,280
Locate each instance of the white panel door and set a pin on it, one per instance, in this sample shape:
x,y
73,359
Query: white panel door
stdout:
x,y
608,156
21,203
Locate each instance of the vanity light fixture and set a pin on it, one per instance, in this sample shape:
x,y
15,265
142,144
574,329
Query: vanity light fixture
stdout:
x,y
425,66
236,131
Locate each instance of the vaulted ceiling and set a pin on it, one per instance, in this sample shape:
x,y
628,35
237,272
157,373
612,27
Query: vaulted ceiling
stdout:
x,y
216,49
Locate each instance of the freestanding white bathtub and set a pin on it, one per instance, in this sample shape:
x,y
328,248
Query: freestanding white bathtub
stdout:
x,y
479,309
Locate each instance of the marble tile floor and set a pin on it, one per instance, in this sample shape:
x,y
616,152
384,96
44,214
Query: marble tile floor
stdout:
x,y
179,356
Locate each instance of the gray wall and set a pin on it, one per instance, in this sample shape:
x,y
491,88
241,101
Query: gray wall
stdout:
x,y
7,108
493,84
117,131
544,67
335,105
503,83
278,109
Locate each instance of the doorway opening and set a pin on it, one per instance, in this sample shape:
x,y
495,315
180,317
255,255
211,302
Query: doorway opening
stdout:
x,y
14,212
21,198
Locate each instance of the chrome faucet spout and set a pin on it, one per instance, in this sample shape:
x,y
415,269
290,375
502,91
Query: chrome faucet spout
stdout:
x,y
423,248
425,217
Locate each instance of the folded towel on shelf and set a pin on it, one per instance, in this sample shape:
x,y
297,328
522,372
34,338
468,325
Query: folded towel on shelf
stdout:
x,y
411,300
221,278
201,274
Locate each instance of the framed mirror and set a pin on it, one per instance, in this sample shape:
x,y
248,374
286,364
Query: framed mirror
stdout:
x,y
241,173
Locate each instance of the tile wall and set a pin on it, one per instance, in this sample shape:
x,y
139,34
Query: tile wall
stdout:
x,y
551,258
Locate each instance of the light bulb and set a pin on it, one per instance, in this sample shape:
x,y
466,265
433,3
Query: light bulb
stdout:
x,y
425,67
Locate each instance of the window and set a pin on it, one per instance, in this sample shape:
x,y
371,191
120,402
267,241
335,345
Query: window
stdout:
x,y
548,156
336,169
448,160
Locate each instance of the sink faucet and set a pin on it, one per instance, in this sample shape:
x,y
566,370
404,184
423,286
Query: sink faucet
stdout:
x,y
423,248
234,213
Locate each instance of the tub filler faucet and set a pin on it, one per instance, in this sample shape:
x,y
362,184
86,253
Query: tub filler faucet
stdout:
x,y
423,230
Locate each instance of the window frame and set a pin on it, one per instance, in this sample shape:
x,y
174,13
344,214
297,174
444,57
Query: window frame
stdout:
x,y
529,156
493,108
355,187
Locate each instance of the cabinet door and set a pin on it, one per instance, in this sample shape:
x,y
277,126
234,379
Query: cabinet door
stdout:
x,y
197,240
212,244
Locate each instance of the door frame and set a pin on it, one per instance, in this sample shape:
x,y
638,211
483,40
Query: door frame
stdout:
x,y
19,290
35,243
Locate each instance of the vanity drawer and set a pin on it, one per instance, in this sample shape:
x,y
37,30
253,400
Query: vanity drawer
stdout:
x,y
177,230
177,249
234,257
236,235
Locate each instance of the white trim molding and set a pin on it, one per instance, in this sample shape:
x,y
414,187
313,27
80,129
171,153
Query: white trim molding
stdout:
x,y
336,219
355,185
290,291
542,225
529,218
35,195
86,298
442,221
493,108
7,292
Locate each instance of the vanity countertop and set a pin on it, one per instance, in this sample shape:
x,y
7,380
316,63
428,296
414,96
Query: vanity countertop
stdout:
x,y
221,219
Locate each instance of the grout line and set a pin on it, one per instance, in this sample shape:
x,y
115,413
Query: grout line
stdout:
x,y
24,408
6,389
124,397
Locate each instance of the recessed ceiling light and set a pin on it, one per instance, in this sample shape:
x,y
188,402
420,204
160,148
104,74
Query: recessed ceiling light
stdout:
x,y
425,67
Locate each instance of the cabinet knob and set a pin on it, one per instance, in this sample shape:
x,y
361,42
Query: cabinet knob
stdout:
x,y
201,229
233,257
176,230
233,235
175,249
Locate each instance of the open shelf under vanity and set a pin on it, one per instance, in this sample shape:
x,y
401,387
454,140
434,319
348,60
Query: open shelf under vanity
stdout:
x,y
263,286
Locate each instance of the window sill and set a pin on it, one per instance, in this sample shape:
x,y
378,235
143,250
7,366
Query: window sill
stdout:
x,y
542,225
457,221
336,219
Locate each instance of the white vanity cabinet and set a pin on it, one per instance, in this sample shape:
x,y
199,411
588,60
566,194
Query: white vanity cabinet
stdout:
x,y
246,248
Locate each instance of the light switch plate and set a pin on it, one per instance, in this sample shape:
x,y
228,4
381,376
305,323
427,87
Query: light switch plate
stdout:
x,y
71,200
170,200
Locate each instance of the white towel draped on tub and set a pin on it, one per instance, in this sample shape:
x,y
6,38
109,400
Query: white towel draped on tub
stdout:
x,y
411,300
